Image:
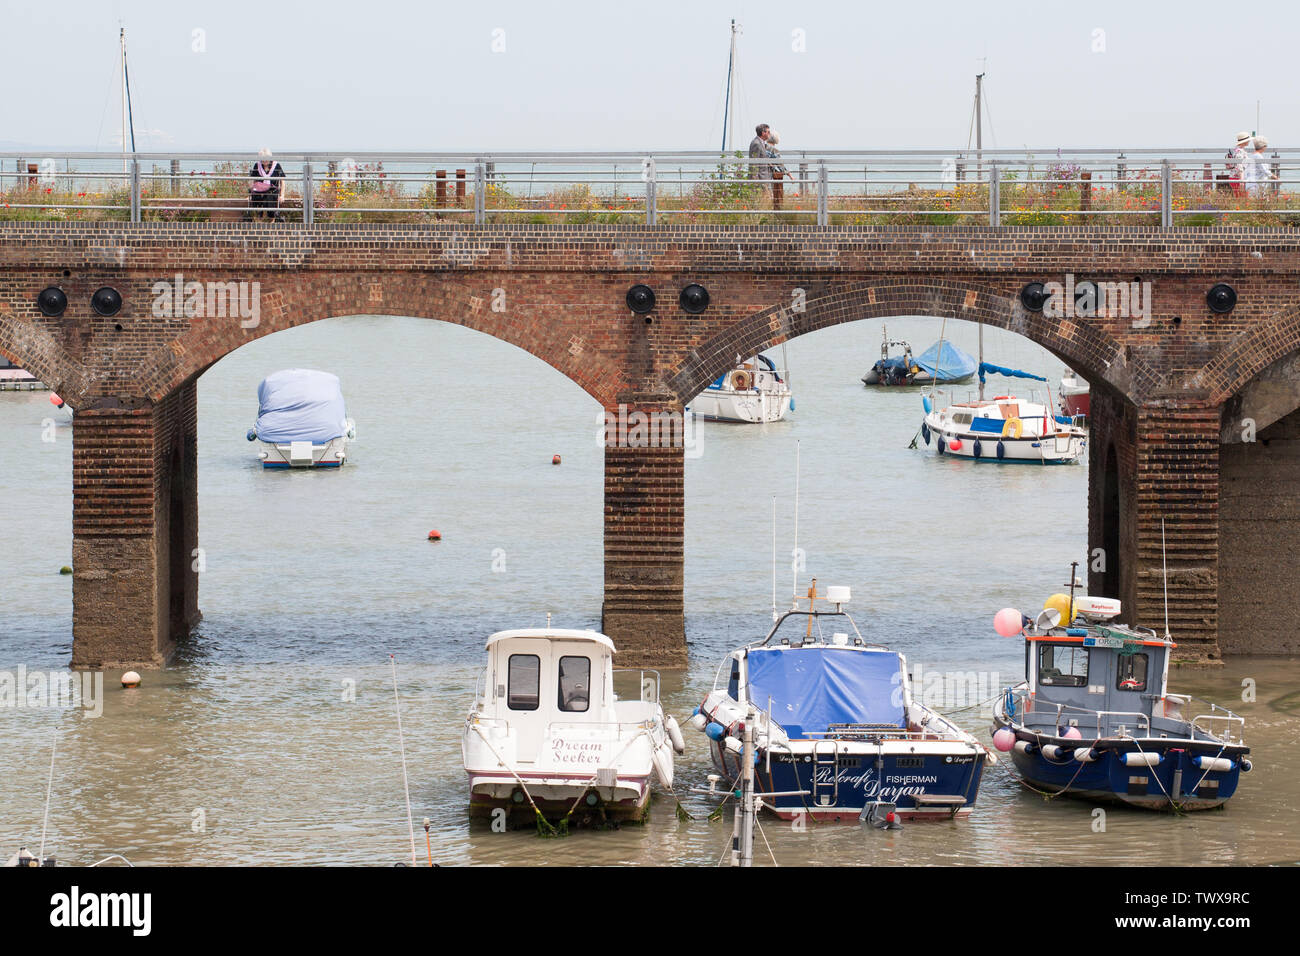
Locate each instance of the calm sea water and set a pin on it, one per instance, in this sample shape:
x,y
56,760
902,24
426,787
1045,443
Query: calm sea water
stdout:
x,y
250,750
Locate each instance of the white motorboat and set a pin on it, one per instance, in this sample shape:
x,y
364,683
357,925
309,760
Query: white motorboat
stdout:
x,y
548,738
753,392
1075,395
301,420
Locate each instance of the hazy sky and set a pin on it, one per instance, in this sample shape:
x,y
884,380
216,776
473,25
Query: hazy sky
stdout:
x,y
384,74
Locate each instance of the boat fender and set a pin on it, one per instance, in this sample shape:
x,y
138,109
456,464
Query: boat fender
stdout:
x,y
939,444
1053,752
955,444
1025,747
791,403
698,721
733,745
925,432
977,449
1136,759
252,434
1002,450
1213,764
1246,765
1013,427
1085,755
675,734
715,731
925,403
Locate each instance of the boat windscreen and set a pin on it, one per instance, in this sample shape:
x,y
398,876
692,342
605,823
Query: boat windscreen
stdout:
x,y
814,687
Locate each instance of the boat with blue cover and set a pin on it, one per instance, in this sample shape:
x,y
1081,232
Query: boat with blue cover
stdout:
x,y
941,363
1094,717
301,420
838,734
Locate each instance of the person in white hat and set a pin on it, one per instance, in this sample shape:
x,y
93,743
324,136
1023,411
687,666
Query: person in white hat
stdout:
x,y
266,182
778,169
1240,157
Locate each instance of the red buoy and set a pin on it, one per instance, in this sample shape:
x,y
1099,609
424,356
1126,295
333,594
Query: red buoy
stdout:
x,y
55,400
435,535
555,460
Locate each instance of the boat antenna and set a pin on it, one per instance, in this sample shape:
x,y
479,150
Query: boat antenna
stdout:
x,y
1074,578
49,788
794,556
1164,560
774,557
401,741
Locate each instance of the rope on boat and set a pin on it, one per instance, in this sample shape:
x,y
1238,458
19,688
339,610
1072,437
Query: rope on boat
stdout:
x,y
543,825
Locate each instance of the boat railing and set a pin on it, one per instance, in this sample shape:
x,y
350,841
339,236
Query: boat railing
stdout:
x,y
648,685
1031,705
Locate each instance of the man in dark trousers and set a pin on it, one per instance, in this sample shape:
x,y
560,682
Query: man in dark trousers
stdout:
x,y
758,150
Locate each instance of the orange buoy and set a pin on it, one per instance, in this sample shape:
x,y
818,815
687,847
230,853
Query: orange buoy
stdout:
x,y
555,460
55,400
435,535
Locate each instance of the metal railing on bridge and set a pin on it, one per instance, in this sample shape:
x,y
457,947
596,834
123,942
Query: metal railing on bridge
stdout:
x,y
1181,187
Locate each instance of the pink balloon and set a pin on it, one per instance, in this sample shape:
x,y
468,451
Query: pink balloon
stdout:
x,y
1004,739
1072,733
1008,622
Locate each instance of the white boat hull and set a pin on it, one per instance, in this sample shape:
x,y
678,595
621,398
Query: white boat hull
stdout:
x,y
331,454
753,407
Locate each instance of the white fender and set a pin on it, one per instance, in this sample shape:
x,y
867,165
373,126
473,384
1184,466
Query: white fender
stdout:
x,y
1136,759
1053,752
675,734
1085,755
733,744
663,764
1023,747
699,722
1217,764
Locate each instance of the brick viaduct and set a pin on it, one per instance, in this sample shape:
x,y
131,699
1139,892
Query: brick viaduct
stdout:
x,y
1169,395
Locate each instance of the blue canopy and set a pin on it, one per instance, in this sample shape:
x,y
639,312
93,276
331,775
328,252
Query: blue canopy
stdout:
x,y
946,363
300,404
814,687
1009,372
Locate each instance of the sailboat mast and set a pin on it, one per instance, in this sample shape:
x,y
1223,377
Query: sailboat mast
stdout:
x,y
728,115
981,371
122,44
979,122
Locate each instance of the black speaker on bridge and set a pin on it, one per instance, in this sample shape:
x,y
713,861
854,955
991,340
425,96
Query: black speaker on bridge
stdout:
x,y
52,302
106,301
694,298
1221,298
641,299
1033,297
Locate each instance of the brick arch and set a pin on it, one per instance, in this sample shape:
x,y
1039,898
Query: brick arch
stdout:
x,y
312,297
1247,356
36,350
1087,349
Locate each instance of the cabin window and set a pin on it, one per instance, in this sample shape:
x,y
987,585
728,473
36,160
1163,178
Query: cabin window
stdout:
x,y
733,682
1061,665
962,418
575,684
525,687
1132,673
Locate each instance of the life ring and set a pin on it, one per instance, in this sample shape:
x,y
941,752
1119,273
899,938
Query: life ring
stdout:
x,y
740,381
1013,427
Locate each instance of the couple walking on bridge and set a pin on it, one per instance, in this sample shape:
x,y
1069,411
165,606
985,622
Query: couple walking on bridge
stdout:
x,y
763,146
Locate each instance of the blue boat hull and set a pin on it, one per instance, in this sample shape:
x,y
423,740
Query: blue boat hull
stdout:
x,y
955,775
